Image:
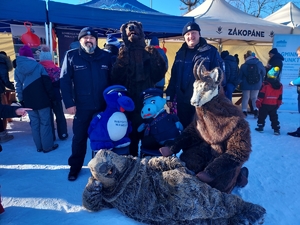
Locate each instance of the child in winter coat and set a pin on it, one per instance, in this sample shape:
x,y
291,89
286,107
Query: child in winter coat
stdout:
x,y
54,74
269,100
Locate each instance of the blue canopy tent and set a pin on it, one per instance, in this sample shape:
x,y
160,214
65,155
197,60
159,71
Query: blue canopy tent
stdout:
x,y
108,16
17,12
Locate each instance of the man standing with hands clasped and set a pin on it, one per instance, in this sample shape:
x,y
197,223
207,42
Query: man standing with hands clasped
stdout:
x,y
182,78
84,76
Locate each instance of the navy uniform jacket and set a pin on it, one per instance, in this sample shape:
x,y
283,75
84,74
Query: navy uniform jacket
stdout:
x,y
84,77
202,50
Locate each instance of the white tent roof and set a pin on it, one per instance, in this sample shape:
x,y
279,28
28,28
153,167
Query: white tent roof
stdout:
x,y
220,20
288,15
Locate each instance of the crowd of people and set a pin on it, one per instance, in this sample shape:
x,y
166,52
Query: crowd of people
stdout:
x,y
87,70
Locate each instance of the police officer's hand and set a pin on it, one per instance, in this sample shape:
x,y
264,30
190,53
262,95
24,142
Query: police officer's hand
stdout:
x,y
72,110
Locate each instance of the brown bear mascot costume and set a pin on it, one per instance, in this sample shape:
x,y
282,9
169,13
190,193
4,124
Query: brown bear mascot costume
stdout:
x,y
137,68
217,143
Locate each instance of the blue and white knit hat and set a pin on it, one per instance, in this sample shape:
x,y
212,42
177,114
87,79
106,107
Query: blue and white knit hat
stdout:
x,y
110,40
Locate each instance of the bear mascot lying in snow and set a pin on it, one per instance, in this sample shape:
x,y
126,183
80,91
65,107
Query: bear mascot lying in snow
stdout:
x,y
217,143
137,67
110,128
159,126
162,191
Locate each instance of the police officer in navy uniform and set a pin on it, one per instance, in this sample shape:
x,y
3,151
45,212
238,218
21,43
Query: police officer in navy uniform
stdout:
x,y
182,78
84,76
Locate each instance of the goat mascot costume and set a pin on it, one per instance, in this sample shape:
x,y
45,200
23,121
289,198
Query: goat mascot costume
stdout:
x,y
217,143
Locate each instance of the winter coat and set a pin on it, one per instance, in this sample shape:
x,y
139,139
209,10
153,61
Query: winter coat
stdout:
x,y
84,77
5,68
231,70
54,74
179,69
244,85
33,84
276,60
161,191
270,92
218,142
296,82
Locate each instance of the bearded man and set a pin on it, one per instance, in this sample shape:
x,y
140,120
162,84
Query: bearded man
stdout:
x,y
84,76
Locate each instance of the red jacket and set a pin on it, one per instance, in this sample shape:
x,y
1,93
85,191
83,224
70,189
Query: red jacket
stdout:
x,y
270,93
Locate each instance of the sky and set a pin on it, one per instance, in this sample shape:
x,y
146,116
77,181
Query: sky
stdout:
x,y
35,189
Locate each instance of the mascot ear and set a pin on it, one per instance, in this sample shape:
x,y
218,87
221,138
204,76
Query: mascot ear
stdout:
x,y
123,27
140,24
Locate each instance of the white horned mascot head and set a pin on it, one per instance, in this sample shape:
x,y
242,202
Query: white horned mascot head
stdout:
x,y
206,85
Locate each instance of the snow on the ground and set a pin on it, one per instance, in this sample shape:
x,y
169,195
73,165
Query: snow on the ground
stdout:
x,y
35,189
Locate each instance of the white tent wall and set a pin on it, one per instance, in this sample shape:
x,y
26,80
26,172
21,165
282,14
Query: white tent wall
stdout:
x,y
288,15
220,20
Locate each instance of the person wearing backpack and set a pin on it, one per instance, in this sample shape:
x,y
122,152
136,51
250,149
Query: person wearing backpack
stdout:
x,y
251,74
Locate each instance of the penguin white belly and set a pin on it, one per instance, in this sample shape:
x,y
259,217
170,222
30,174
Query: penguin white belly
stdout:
x,y
117,126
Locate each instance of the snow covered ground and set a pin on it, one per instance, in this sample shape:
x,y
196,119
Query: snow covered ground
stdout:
x,y
35,189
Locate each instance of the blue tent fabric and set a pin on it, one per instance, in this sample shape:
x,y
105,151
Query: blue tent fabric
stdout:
x,y
110,21
17,12
122,5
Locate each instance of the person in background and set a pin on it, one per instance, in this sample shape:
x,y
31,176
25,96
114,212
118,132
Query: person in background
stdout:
x,y
112,45
5,68
269,100
155,42
84,76
231,73
34,90
182,78
54,74
296,82
276,59
237,58
250,91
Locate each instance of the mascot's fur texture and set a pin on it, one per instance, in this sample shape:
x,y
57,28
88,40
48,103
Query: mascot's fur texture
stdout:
x,y
160,190
218,142
137,68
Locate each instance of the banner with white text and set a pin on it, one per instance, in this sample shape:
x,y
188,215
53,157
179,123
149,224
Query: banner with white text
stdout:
x,y
287,45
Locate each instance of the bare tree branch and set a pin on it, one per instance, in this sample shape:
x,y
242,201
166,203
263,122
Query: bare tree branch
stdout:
x,y
257,8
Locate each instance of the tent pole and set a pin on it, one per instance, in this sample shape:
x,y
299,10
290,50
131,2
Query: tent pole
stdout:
x,y
47,33
50,39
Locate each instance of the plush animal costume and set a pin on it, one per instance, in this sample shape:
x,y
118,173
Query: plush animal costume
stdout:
x,y
159,126
161,191
110,129
217,143
137,67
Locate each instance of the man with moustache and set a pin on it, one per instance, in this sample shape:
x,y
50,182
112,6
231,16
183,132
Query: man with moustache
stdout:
x,y
84,76
182,78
